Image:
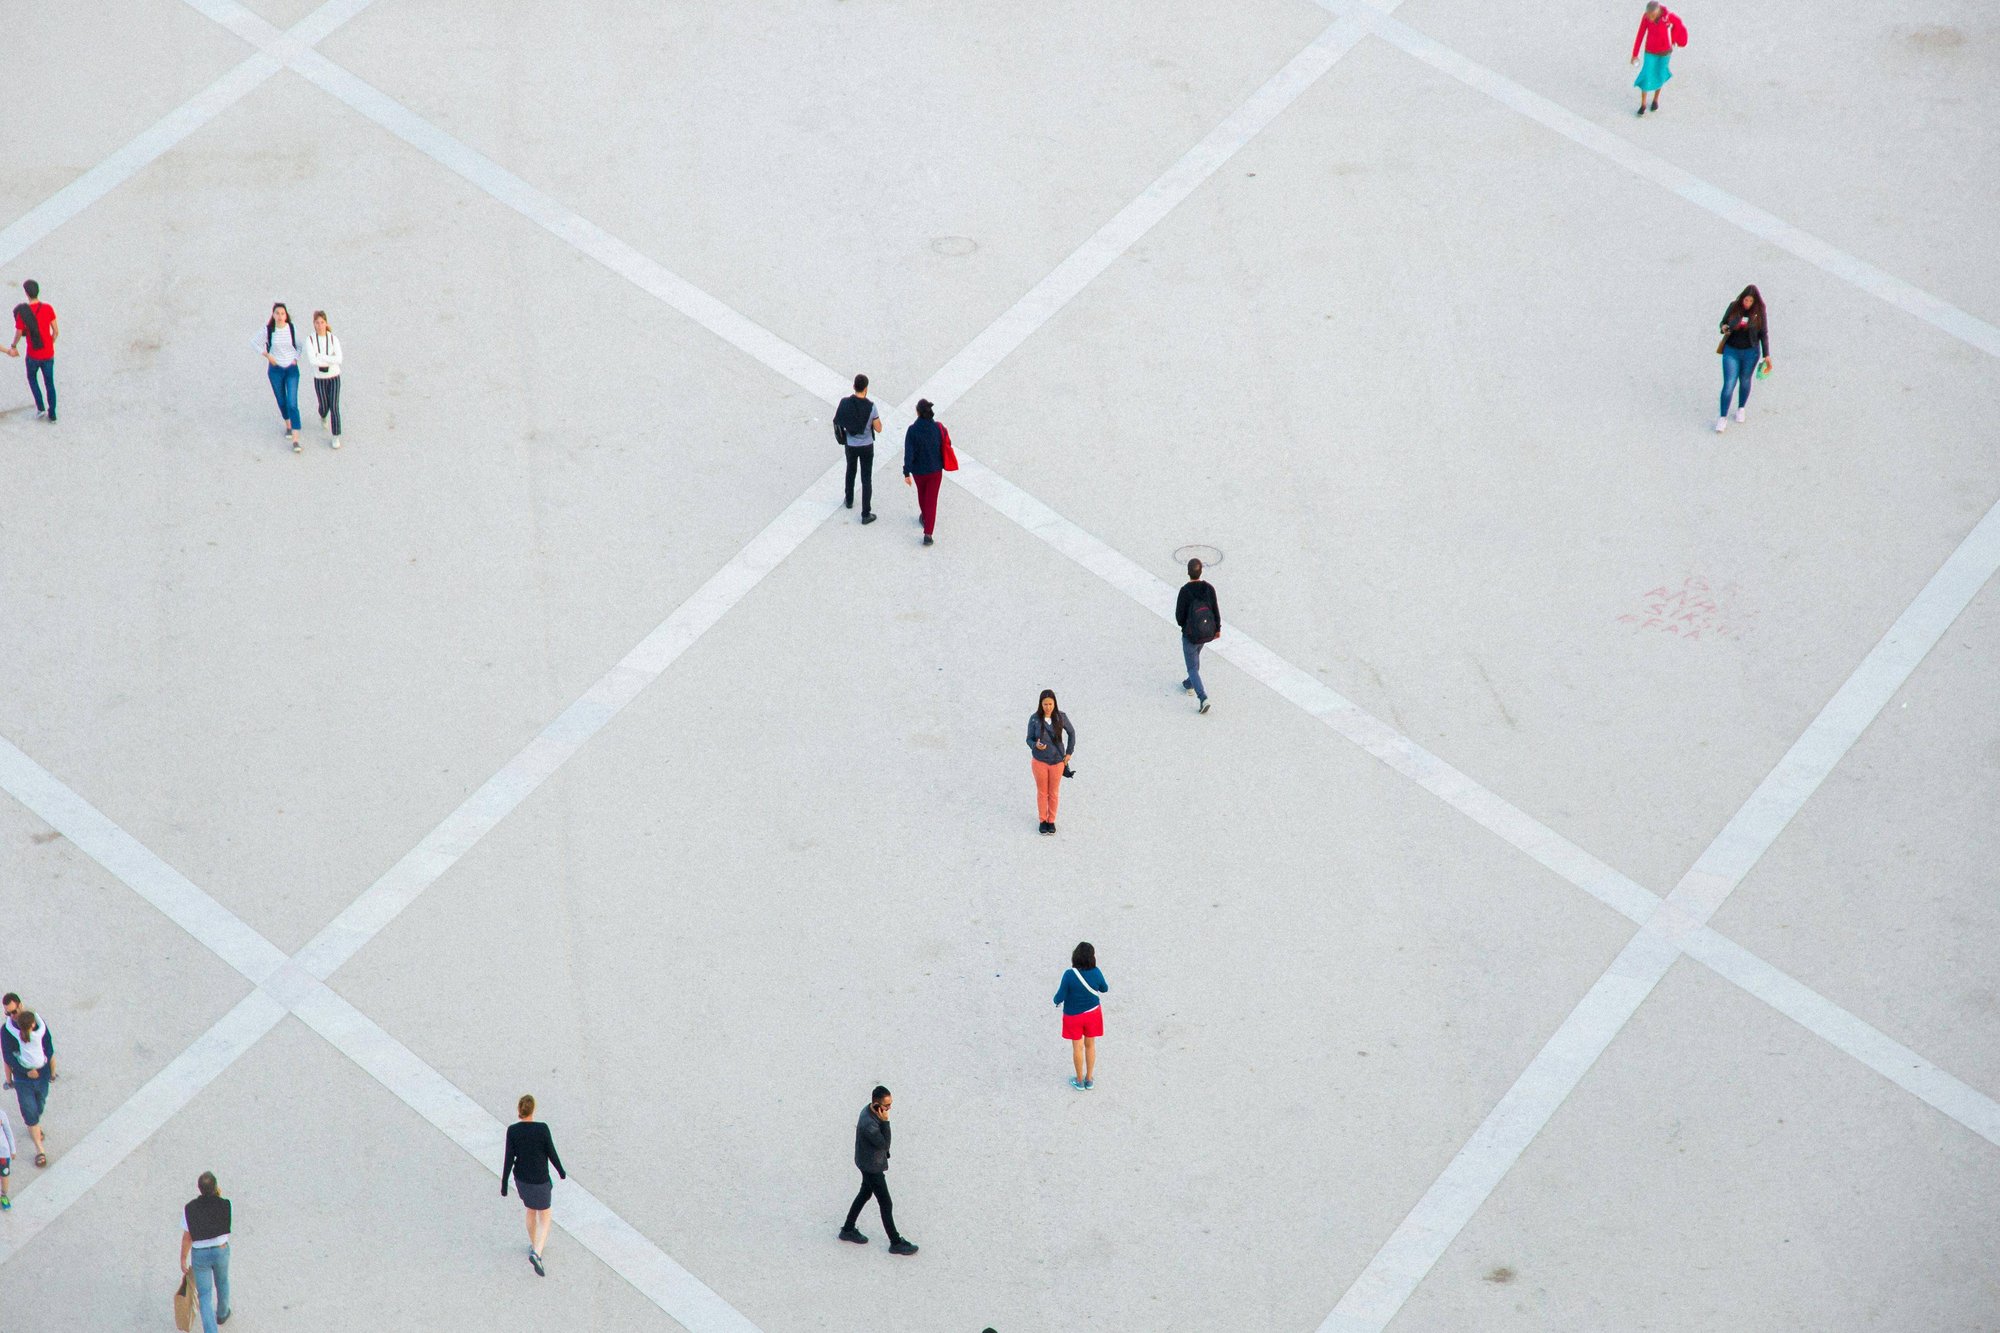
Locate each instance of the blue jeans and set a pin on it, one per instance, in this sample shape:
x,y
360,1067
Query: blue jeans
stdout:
x,y
285,387
32,1094
211,1280
1739,367
47,370
1191,654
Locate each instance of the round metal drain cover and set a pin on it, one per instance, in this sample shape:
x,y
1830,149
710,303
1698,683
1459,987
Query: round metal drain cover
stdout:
x,y
1210,556
953,247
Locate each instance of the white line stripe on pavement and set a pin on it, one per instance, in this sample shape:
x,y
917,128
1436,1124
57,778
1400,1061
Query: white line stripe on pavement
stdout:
x,y
1765,226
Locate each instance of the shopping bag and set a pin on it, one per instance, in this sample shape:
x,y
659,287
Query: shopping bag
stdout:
x,y
950,454
185,1304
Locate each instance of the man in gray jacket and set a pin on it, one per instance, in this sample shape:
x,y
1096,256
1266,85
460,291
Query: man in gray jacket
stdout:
x,y
871,1154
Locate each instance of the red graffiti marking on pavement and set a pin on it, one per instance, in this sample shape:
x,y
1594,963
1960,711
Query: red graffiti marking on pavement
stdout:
x,y
1692,610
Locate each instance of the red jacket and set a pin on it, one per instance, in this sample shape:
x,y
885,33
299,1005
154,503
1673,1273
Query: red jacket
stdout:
x,y
1660,35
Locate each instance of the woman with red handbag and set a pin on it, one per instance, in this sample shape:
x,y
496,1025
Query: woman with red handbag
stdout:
x,y
927,456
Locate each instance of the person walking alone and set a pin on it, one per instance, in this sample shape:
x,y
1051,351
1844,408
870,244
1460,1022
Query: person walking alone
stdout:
x,y
1746,352
1046,732
1200,617
1083,1013
923,463
1660,31
281,356
205,1224
531,1150
855,426
35,322
871,1155
325,349
30,1056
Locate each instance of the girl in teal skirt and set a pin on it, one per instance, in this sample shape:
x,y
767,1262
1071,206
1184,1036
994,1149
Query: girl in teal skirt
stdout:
x,y
1660,31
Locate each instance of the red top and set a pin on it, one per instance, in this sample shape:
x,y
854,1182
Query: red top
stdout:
x,y
45,319
1656,34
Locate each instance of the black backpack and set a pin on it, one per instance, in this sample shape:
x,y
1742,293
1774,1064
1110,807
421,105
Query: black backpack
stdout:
x,y
1202,622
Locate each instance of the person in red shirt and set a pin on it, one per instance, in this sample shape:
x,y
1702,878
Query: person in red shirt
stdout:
x,y
35,322
1660,31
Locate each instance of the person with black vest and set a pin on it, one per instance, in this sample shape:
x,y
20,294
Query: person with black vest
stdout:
x,y
855,426
1200,617
205,1250
531,1150
871,1154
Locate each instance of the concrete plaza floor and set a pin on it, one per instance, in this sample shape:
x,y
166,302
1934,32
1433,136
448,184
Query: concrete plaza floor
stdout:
x,y
562,734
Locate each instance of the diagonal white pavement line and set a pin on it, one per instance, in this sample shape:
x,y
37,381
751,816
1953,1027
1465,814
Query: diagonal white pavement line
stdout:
x,y
1681,923
1766,226
176,125
282,987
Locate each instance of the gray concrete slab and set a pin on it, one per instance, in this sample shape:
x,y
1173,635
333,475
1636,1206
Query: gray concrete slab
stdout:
x,y
752,932
1881,893
1715,1171
122,991
1450,476
347,1209
874,182
1855,121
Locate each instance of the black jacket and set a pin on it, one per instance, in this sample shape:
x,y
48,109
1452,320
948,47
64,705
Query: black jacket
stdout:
x,y
923,449
1192,592
871,1142
1051,736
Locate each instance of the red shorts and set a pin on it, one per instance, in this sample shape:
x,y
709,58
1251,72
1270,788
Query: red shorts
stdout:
x,y
1076,1026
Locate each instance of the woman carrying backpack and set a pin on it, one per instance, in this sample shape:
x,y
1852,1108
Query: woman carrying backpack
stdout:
x,y
1745,348
1083,1013
281,357
1046,730
1660,31
1200,618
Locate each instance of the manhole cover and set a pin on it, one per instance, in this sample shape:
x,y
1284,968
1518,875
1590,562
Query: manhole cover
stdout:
x,y
953,247
1210,556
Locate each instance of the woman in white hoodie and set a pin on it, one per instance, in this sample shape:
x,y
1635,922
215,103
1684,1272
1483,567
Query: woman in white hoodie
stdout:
x,y
325,352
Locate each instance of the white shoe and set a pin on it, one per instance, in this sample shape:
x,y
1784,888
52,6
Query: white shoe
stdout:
x,y
1721,425
336,441
1739,414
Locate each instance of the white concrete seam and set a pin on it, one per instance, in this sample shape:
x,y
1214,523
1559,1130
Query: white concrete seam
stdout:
x,y
1933,310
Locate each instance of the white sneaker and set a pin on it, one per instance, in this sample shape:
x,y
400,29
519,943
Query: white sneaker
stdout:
x,y
1739,414
336,441
1721,425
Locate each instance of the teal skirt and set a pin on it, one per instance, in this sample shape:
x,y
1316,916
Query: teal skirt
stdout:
x,y
1653,73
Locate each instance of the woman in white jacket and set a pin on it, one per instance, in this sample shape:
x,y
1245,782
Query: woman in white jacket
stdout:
x,y
325,353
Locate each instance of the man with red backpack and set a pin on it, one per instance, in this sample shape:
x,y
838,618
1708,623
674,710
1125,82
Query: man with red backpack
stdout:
x,y
1660,31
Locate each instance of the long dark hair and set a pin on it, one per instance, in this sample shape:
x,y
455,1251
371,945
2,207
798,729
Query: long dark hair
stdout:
x,y
1735,311
1055,713
1083,957
271,325
26,314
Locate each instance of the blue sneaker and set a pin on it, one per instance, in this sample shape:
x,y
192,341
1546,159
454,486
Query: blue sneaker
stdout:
x,y
1076,1083
1089,1083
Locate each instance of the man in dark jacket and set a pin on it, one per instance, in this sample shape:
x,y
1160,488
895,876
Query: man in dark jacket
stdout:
x,y
1200,618
855,426
871,1154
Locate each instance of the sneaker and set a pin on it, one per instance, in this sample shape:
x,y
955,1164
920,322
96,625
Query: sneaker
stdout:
x,y
6,1202
1721,425
536,1260
336,441
40,413
868,518
1076,1082
1044,827
901,1246
853,1236
1187,687
1089,1083
1052,827
1739,413
1203,708
298,448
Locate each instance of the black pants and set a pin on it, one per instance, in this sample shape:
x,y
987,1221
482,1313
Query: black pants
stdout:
x,y
47,370
877,1184
328,393
863,454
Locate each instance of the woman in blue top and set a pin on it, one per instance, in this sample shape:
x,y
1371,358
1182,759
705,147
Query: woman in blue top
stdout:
x,y
1083,1012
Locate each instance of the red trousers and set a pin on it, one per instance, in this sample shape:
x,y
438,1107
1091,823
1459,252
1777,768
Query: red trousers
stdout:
x,y
927,491
1048,787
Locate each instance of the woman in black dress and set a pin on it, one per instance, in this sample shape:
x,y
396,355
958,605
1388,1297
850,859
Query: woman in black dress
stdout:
x,y
531,1151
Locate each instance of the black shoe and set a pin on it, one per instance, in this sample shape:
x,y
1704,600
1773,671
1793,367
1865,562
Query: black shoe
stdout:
x,y
901,1246
848,503
867,518
927,539
1042,827
224,1317
1052,827
850,1234
536,1260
